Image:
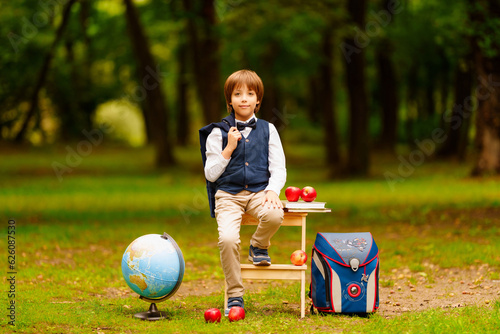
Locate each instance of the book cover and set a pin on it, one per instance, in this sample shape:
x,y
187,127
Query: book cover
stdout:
x,y
304,205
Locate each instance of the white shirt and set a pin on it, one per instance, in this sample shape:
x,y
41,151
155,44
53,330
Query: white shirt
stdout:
x,y
216,164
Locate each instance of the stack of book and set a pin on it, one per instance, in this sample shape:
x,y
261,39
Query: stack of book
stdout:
x,y
305,206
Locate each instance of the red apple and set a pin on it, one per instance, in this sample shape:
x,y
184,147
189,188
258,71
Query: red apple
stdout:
x,y
236,313
212,315
308,194
292,194
299,257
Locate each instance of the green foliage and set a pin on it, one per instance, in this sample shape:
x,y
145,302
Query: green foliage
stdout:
x,y
484,27
278,39
94,66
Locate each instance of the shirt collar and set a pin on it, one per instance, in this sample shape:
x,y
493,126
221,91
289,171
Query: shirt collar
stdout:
x,y
248,120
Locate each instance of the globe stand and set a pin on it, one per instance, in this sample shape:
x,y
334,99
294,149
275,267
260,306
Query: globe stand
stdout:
x,y
152,314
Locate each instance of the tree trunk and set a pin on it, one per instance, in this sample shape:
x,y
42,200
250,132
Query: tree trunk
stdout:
x,y
443,86
444,82
182,89
88,103
314,101
327,94
488,93
74,100
429,109
358,159
204,45
44,71
411,104
69,111
456,139
488,116
155,108
388,96
271,109
388,90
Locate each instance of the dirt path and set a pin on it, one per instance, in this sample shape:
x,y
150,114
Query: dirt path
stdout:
x,y
446,288
401,291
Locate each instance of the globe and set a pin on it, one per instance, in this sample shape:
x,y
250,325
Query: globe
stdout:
x,y
153,266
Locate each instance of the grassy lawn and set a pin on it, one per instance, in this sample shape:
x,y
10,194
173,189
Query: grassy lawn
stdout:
x,y
71,234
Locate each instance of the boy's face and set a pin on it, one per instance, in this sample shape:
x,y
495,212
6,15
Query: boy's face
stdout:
x,y
244,101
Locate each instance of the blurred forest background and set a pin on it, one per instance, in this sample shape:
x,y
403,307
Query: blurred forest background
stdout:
x,y
357,77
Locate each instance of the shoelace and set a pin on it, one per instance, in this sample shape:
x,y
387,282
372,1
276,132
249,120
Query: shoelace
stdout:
x,y
261,252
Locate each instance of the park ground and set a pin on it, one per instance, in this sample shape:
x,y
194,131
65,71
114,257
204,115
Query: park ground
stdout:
x,y
438,232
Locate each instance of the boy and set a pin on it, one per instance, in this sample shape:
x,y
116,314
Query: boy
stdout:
x,y
245,172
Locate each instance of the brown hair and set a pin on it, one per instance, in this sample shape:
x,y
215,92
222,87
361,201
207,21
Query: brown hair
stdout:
x,y
240,78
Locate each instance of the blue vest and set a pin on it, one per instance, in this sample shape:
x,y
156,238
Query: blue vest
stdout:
x,y
249,165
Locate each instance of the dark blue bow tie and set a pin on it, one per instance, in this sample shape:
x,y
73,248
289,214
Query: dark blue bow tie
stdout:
x,y
251,124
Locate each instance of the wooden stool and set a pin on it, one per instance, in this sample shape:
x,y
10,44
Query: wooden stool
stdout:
x,y
279,271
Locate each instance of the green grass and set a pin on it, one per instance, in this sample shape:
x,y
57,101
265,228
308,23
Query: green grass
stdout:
x,y
72,233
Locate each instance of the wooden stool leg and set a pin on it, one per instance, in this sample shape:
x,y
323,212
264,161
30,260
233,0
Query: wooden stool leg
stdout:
x,y
303,240
303,295
303,275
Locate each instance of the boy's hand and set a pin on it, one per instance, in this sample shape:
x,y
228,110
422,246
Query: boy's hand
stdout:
x,y
272,199
233,137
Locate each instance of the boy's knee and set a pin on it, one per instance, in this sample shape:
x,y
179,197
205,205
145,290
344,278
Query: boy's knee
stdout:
x,y
229,239
273,216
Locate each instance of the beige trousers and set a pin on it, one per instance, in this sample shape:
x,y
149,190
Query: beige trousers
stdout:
x,y
229,209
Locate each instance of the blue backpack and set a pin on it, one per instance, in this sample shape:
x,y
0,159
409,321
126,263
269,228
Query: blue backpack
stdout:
x,y
344,273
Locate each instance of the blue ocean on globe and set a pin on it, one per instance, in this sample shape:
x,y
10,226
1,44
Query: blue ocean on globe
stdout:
x,y
153,266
